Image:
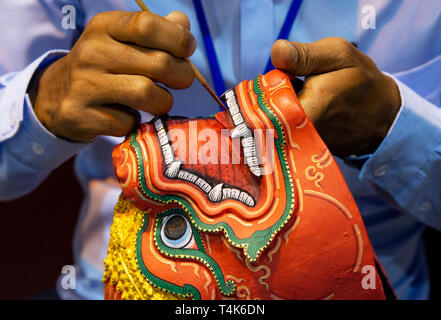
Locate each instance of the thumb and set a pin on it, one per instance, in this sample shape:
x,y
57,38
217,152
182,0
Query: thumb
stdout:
x,y
180,18
304,59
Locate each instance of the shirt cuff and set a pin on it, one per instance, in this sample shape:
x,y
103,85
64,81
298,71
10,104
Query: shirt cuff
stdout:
x,y
402,162
31,143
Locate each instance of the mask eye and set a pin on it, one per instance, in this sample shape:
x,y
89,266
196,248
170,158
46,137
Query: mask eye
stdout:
x,y
176,232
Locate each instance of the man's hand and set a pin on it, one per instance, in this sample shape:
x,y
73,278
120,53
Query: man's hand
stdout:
x,y
351,103
112,71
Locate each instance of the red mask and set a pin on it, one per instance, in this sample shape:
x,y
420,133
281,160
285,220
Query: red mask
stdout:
x,y
248,204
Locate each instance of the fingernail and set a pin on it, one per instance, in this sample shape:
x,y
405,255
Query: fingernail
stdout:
x,y
193,46
292,51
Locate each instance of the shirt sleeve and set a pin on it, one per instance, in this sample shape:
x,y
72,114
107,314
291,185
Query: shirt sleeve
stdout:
x,y
406,167
28,151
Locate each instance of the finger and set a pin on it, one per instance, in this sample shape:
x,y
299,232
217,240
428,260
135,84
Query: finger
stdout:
x,y
180,18
303,59
313,101
151,31
135,91
113,120
320,93
157,65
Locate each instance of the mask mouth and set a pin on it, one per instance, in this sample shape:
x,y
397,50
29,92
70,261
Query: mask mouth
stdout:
x,y
173,170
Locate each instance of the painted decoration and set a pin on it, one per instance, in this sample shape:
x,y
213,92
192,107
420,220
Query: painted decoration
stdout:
x,y
247,204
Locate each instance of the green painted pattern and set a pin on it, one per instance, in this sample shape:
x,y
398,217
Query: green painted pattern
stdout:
x,y
187,290
226,288
256,243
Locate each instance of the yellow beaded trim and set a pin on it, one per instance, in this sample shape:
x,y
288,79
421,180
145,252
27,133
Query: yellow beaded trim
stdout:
x,y
120,265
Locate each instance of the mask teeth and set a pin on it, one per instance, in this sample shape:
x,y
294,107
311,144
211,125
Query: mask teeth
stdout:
x,y
203,185
215,194
234,109
187,176
256,170
231,193
226,193
250,201
237,119
249,152
246,198
248,142
231,99
252,162
235,194
163,138
228,94
241,130
173,169
168,154
158,124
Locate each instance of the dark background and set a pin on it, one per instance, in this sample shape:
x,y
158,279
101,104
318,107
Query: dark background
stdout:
x,y
36,237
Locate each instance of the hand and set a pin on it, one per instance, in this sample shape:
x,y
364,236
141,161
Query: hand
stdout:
x,y
112,71
351,103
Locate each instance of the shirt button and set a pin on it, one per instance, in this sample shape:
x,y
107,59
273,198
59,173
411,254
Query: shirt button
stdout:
x,y
381,170
37,148
425,207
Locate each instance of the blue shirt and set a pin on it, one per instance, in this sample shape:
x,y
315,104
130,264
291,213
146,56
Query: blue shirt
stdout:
x,y
397,190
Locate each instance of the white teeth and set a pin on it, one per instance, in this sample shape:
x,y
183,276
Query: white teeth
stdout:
x,y
237,119
249,152
226,193
253,164
215,194
193,178
187,176
229,94
235,194
252,161
201,183
234,109
250,201
246,198
173,169
231,101
241,131
243,197
248,142
167,153
162,135
158,124
256,170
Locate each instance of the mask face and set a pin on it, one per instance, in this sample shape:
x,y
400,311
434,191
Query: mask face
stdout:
x,y
247,204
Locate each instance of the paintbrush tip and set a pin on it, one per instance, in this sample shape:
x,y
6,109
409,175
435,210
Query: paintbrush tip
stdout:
x,y
211,92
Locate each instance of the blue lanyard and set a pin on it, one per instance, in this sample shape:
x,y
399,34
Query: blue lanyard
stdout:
x,y
216,74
